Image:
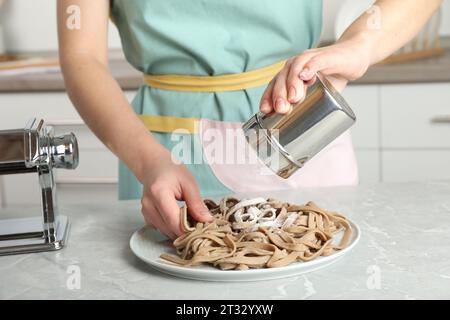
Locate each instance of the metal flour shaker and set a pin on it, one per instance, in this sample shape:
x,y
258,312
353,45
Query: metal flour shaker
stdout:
x,y
284,143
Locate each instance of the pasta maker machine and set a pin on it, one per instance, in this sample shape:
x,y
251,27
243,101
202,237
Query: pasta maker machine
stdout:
x,y
36,150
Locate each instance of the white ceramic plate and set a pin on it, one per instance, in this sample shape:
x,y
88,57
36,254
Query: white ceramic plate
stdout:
x,y
148,244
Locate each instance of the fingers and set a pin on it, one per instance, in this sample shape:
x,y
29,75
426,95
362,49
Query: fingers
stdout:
x,y
310,82
279,93
166,206
270,101
296,86
160,207
326,63
169,210
153,218
287,87
196,207
265,105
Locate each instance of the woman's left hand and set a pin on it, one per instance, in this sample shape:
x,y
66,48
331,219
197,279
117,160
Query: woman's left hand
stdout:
x,y
341,62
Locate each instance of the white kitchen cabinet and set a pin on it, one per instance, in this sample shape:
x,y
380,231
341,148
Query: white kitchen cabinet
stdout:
x,y
54,107
2,193
86,139
407,114
415,165
21,189
94,164
395,139
97,173
24,189
18,108
396,136
365,103
368,165
414,146
364,100
78,193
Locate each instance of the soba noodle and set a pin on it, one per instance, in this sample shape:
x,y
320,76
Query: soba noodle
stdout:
x,y
258,233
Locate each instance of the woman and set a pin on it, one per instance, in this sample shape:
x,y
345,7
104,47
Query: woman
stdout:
x,y
212,64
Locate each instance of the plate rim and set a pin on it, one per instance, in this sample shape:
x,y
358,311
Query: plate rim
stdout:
x,y
209,274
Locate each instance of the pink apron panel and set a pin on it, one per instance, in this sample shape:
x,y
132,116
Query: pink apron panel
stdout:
x,y
334,166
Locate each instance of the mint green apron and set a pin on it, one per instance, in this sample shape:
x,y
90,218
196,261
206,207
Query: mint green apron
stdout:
x,y
208,37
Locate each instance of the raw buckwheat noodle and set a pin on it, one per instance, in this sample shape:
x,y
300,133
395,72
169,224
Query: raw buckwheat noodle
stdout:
x,y
258,233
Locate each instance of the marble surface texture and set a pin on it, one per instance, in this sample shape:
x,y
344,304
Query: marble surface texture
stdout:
x,y
404,253
435,69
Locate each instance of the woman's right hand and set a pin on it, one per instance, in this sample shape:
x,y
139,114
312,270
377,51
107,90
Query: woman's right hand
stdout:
x,y
165,182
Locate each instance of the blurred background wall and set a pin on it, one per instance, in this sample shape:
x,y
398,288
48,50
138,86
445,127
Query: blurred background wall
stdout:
x,y
30,25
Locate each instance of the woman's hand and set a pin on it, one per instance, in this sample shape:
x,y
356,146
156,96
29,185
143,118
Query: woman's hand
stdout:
x,y
165,182
106,110
344,61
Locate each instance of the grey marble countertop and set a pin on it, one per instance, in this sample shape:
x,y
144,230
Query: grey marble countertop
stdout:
x,y
435,69
404,253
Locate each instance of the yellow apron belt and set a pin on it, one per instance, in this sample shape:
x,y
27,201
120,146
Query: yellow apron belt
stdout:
x,y
170,124
220,83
